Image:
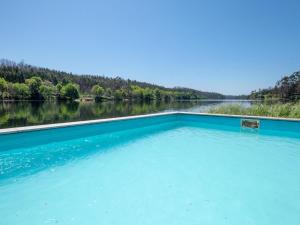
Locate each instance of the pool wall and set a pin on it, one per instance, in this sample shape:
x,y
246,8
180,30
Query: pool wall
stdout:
x,y
36,135
266,123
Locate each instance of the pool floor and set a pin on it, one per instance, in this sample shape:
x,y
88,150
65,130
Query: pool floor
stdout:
x,y
173,173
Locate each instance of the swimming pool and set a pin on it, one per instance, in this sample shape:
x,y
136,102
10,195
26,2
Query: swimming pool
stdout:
x,y
177,168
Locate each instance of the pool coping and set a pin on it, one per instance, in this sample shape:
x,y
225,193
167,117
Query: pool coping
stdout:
x,y
87,122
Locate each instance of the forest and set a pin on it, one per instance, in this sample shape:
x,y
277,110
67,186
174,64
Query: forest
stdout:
x,y
288,88
20,81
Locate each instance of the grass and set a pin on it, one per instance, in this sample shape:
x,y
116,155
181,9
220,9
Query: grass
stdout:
x,y
287,110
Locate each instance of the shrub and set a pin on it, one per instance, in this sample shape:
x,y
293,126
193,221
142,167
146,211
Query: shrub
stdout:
x,y
3,87
275,110
20,91
34,84
98,91
47,91
70,91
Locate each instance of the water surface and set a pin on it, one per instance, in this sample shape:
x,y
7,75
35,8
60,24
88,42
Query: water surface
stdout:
x,y
16,114
176,172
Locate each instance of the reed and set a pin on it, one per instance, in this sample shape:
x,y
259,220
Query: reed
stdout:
x,y
288,110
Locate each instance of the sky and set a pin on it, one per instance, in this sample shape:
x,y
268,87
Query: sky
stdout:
x,y
231,47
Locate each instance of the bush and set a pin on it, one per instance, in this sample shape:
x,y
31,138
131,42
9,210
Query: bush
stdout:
x,y
291,110
3,87
229,109
34,84
98,91
257,110
118,95
47,91
70,91
20,91
295,111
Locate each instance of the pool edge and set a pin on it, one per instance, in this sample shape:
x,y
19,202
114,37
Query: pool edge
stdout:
x,y
87,122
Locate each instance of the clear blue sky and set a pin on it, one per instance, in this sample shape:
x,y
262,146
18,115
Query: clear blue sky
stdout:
x,y
231,46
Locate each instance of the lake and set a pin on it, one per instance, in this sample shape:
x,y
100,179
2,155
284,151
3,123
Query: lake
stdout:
x,y
24,113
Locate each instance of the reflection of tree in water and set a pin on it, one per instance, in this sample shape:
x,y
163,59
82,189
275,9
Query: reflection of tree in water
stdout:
x,y
13,114
24,113
69,109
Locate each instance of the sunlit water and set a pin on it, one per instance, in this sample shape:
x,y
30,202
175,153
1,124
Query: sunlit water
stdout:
x,y
175,173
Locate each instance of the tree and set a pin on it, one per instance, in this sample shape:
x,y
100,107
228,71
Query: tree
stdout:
x,y
98,91
118,95
70,91
108,92
20,91
298,90
148,94
58,91
157,94
47,91
35,76
137,92
3,87
124,93
34,84
167,96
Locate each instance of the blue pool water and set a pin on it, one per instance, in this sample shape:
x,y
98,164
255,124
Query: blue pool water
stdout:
x,y
177,169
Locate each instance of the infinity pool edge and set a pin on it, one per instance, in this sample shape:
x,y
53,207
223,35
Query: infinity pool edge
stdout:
x,y
115,119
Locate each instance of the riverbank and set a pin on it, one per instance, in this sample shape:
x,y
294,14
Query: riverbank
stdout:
x,y
286,110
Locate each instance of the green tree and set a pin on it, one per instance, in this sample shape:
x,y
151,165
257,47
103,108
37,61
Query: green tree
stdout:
x,y
167,96
98,91
47,91
70,91
137,92
19,73
3,87
20,91
58,90
157,94
148,94
124,93
34,84
118,95
108,92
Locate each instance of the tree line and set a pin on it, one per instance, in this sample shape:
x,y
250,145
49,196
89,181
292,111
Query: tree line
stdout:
x,y
35,88
21,81
288,88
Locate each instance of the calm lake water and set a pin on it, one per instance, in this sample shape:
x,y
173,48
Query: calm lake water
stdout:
x,y
15,114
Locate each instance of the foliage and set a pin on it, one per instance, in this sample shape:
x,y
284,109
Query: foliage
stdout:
x,y
58,87
157,94
291,110
108,92
98,91
20,91
118,88
34,84
148,94
70,92
3,87
286,88
137,92
48,91
118,95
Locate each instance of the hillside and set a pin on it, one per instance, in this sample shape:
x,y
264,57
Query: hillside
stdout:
x,y
288,88
19,77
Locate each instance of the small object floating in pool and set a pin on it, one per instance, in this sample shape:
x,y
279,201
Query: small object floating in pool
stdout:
x,y
250,123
